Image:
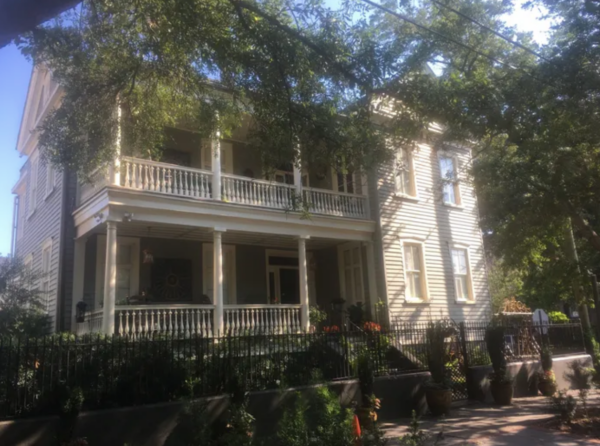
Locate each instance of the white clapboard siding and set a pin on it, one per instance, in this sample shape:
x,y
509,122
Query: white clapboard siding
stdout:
x,y
436,225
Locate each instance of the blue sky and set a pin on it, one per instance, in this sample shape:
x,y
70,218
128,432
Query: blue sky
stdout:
x,y
15,72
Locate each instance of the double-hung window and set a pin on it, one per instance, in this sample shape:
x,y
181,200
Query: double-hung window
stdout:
x,y
451,191
462,273
414,272
404,172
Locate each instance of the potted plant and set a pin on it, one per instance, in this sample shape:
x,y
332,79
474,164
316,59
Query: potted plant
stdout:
x,y
501,385
546,378
316,317
438,390
367,409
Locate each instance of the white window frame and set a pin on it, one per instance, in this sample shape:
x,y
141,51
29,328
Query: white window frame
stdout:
x,y
470,291
424,282
134,283
455,182
32,187
207,274
413,193
45,272
50,175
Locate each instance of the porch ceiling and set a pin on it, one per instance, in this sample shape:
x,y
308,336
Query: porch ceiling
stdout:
x,y
175,232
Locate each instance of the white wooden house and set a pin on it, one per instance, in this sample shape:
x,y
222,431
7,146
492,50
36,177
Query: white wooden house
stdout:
x,y
205,242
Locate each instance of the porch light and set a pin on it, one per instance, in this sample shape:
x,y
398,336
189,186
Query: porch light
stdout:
x,y
80,312
148,257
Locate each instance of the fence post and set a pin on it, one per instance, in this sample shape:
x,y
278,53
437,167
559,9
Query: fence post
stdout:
x,y
465,354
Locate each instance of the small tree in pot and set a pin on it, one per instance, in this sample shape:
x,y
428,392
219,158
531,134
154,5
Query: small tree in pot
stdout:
x,y
438,390
546,379
501,385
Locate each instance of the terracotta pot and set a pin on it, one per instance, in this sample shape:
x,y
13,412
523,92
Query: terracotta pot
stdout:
x,y
502,393
547,388
439,400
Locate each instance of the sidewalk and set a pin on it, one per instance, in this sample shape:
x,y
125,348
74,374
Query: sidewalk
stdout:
x,y
479,424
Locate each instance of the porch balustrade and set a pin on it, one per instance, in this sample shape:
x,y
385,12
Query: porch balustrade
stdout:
x,y
92,323
243,320
151,176
174,320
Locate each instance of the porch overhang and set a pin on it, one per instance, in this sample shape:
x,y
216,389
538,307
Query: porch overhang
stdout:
x,y
125,205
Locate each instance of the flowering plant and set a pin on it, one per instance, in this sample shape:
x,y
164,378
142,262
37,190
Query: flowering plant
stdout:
x,y
371,326
331,329
547,376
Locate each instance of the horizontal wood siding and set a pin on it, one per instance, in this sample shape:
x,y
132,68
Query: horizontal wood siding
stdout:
x,y
436,225
43,224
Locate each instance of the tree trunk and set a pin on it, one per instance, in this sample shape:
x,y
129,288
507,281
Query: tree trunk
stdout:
x,y
571,253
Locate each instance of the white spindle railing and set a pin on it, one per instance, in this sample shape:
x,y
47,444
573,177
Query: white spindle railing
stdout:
x,y
165,178
196,183
243,320
321,201
174,320
92,323
244,190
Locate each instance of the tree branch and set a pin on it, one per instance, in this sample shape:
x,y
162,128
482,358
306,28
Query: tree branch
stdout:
x,y
582,225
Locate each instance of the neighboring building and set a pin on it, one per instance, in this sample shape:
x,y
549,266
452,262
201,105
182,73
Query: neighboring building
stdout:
x,y
152,245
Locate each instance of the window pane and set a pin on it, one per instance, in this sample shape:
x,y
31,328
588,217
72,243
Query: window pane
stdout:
x,y
412,257
461,287
123,254
459,261
449,195
348,285
413,285
123,281
447,168
357,284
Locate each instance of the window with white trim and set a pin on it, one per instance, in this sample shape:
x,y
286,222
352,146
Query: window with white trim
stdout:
x,y
414,272
50,178
45,273
32,187
451,191
404,173
462,273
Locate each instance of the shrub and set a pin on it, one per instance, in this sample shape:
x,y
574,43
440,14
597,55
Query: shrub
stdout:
x,y
437,332
315,419
415,436
494,340
558,317
546,358
565,405
581,378
365,375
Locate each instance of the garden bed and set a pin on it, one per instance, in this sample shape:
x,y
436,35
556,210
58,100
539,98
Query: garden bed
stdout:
x,y
588,426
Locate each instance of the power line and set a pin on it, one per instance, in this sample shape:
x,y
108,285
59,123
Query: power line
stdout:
x,y
447,38
487,28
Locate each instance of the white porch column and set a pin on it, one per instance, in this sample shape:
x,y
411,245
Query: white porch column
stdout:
x,y
218,324
110,279
215,149
78,275
373,298
303,271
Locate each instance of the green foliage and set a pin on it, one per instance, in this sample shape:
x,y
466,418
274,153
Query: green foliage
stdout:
x,y
558,317
504,283
240,426
365,375
546,358
194,427
437,352
581,379
22,311
316,315
316,419
565,405
494,340
415,436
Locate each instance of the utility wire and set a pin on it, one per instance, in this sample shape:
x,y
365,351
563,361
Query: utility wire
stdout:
x,y
487,28
449,39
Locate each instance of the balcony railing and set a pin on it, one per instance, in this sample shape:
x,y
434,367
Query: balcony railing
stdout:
x,y
182,181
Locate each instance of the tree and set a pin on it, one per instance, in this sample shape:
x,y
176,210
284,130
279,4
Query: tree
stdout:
x,y
201,65
21,309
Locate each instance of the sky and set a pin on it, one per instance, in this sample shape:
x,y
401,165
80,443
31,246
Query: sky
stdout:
x,y
15,72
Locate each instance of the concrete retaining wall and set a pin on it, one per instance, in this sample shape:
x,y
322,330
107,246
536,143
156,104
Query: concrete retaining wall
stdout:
x,y
154,425
523,373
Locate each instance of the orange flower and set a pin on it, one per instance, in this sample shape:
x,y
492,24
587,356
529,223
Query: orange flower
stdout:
x,y
332,329
371,326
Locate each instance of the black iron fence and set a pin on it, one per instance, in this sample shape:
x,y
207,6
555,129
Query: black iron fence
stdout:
x,y
117,372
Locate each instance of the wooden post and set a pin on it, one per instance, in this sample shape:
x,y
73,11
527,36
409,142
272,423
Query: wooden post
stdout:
x,y
218,324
